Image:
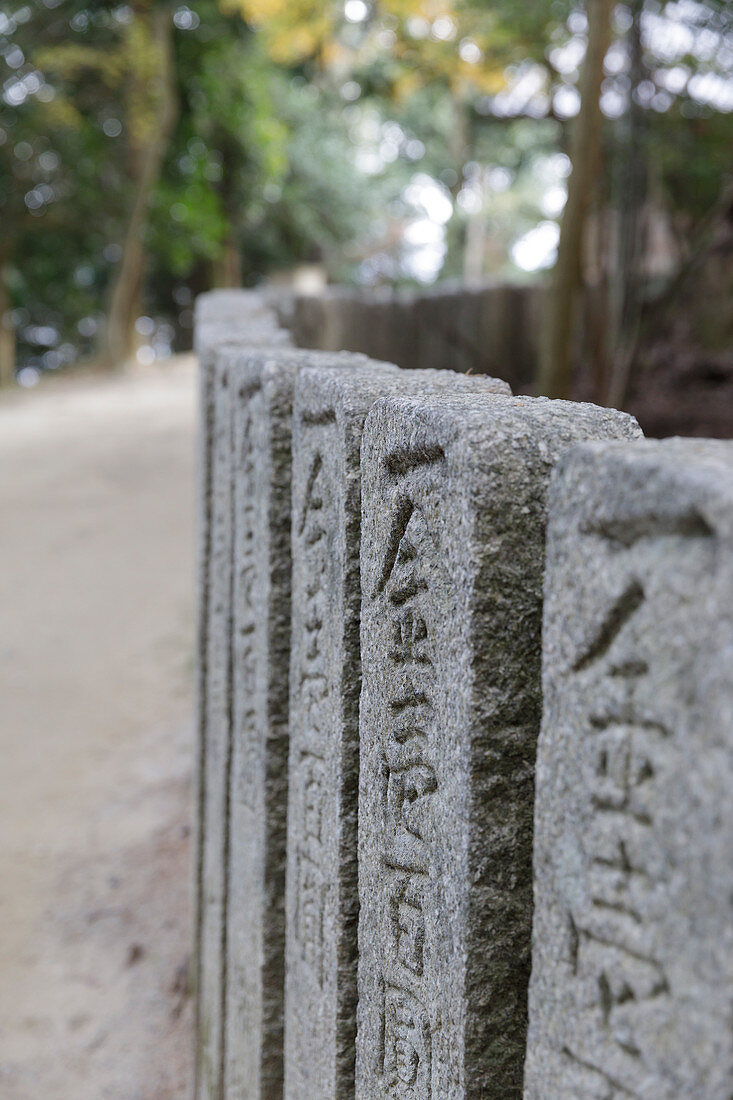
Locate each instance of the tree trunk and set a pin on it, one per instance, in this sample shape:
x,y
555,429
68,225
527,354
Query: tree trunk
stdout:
x,y
7,330
228,268
124,300
474,248
631,195
557,345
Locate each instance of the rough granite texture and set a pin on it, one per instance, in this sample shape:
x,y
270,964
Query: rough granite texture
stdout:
x,y
633,935
453,522
213,703
216,337
214,684
239,317
257,333
321,896
244,749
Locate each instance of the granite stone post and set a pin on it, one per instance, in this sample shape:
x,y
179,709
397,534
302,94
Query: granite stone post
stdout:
x,y
632,970
255,763
214,689
321,897
225,321
222,319
453,523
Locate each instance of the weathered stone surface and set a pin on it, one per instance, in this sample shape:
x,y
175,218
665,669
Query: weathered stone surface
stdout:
x,y
256,765
453,520
214,688
236,317
633,939
214,685
322,902
228,300
217,339
257,333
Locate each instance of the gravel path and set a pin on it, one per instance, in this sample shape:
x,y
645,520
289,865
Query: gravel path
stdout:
x,y
96,660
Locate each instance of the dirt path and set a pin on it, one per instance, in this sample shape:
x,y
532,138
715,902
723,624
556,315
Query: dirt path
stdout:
x,y
96,626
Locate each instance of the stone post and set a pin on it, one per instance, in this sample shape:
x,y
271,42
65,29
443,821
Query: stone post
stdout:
x,y
225,322
633,940
322,904
453,528
249,827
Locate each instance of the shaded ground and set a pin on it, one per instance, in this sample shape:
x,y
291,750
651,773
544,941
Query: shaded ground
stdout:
x,y
96,549
684,390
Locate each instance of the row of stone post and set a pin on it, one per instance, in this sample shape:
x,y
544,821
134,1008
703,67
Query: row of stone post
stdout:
x,y
445,849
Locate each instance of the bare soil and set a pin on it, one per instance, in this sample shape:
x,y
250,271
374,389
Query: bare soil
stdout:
x,y
96,665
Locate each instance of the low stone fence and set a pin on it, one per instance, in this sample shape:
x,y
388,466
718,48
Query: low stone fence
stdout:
x,y
465,737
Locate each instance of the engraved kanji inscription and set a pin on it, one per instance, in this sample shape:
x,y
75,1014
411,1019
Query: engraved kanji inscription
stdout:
x,y
407,1046
409,782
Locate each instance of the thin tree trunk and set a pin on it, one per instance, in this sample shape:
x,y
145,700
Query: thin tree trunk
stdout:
x,y
7,330
631,195
557,345
228,268
124,300
475,241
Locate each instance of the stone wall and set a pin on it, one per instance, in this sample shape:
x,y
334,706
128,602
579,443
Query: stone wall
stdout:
x,y
465,733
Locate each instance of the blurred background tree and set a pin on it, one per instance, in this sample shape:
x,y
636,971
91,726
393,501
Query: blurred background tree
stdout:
x,y
150,150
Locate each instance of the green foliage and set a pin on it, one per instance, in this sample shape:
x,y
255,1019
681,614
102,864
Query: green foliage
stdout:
x,y
53,159
300,132
228,145
319,203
